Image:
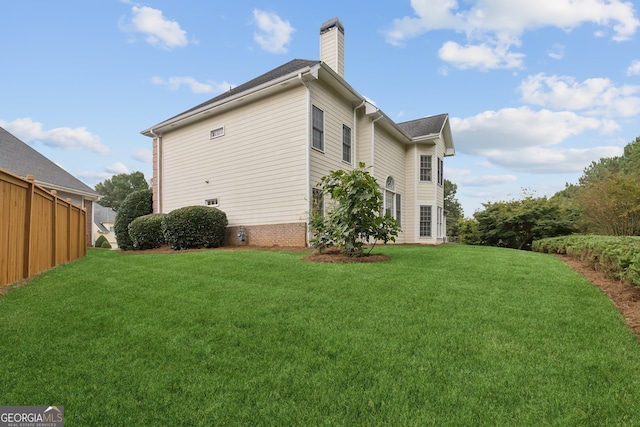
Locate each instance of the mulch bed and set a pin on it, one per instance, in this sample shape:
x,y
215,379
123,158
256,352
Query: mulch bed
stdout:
x,y
624,296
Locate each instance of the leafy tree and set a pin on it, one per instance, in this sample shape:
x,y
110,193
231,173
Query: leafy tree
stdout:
x,y
136,204
468,231
113,191
611,204
355,217
452,208
608,194
516,223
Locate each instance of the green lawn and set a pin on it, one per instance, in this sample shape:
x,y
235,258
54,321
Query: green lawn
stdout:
x,y
450,335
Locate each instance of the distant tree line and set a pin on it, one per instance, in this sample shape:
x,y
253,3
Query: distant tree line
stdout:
x,y
606,200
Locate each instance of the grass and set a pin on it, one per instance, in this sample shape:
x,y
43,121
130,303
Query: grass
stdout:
x,y
450,335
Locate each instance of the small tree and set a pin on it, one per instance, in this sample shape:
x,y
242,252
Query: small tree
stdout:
x,y
136,204
355,217
114,190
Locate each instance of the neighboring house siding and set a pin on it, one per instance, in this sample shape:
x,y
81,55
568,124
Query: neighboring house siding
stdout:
x,y
257,169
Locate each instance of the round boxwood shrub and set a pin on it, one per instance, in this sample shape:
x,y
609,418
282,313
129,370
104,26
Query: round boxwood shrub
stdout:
x,y
136,204
146,231
99,241
195,227
106,245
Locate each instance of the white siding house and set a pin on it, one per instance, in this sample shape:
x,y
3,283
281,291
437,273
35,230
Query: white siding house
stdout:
x,y
258,151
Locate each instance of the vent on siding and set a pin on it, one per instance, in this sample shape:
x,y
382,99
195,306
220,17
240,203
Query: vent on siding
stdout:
x,y
216,133
211,202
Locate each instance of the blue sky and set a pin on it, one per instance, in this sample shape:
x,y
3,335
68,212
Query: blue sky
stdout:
x,y
535,90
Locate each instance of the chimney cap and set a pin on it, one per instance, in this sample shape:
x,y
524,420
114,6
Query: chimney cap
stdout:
x,y
330,24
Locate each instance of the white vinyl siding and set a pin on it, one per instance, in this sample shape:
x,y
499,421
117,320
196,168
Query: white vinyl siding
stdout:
x,y
257,170
337,113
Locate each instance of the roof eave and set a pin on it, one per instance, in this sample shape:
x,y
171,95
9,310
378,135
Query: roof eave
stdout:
x,y
193,115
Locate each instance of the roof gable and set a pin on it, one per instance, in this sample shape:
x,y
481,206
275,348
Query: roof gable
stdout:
x,y
281,71
432,125
21,159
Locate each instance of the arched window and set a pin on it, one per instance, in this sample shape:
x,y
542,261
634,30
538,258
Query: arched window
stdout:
x,y
390,185
392,200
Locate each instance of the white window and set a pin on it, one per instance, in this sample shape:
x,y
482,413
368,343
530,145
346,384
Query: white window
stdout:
x,y
346,144
212,202
440,171
392,200
216,133
318,128
425,168
425,221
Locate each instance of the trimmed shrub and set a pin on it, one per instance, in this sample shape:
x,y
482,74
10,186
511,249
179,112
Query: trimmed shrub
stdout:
x,y
99,241
195,227
106,245
136,204
618,257
146,231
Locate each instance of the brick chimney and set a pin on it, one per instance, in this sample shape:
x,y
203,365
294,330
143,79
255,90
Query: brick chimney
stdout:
x,y
332,45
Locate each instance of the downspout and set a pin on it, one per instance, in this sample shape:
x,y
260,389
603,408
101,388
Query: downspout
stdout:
x,y
416,206
308,152
159,166
373,142
355,133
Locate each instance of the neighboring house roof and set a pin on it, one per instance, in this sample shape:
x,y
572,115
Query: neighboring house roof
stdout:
x,y
102,215
19,158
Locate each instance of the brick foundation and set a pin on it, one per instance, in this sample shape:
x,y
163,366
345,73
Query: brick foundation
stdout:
x,y
291,235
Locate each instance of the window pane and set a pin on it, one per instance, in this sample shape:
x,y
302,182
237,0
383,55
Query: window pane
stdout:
x,y
346,144
318,128
425,168
425,221
398,209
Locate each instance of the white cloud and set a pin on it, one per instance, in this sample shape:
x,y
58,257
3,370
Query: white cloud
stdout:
x,y
595,96
547,160
464,177
66,138
144,155
158,30
274,34
93,176
634,68
488,23
521,139
556,52
482,56
117,168
174,83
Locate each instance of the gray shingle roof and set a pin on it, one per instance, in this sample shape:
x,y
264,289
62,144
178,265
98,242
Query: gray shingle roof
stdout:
x,y
424,126
101,215
281,71
22,160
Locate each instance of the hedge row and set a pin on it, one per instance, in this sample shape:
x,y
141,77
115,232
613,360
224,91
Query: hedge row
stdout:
x,y
185,228
618,257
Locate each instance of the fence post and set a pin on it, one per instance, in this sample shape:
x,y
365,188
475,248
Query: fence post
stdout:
x,y
26,266
69,211
54,228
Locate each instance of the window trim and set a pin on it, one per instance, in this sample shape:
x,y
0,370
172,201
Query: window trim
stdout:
x,y
428,175
347,144
428,226
314,128
212,202
212,134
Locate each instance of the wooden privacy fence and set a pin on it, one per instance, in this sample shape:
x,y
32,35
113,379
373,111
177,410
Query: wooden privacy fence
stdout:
x,y
38,230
